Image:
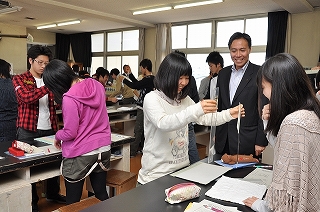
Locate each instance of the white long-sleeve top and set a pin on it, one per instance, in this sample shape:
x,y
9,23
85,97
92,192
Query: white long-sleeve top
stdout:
x,y
166,133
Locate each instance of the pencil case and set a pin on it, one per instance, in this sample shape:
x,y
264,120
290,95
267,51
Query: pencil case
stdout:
x,y
22,146
182,192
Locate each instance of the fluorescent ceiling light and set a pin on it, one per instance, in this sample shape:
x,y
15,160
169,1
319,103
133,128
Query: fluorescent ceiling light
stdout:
x,y
69,23
196,4
47,26
152,10
59,24
10,10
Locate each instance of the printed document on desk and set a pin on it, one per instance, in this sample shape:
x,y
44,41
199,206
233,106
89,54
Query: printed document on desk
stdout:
x,y
260,176
201,172
207,206
235,190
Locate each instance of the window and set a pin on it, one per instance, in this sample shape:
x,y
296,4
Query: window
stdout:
x,y
199,35
130,40
122,48
96,63
114,41
197,40
225,29
97,42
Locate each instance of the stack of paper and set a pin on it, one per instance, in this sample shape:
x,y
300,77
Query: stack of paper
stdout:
x,y
235,190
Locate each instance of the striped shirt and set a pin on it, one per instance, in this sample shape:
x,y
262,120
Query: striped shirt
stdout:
x,y
28,96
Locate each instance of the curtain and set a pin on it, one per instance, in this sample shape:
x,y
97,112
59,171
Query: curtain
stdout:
x,y
81,49
289,34
277,28
62,46
141,45
163,43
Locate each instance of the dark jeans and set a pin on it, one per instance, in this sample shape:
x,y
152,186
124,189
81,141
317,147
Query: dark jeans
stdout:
x,y
53,184
98,183
138,133
193,151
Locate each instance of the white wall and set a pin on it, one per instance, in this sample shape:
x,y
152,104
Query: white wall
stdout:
x,y
13,50
305,38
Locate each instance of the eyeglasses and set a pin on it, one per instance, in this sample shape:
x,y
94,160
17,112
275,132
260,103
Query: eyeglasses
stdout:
x,y
41,62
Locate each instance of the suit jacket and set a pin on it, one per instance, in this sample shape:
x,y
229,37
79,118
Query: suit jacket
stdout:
x,y
251,126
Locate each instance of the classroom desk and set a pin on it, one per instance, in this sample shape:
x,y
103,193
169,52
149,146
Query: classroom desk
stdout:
x,y
16,175
123,114
151,196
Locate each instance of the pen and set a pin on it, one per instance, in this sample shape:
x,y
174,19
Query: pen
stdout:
x,y
263,166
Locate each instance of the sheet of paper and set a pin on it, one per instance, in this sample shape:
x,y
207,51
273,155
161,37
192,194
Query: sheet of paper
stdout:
x,y
201,172
234,166
50,149
125,108
239,117
235,190
260,176
118,137
206,206
46,139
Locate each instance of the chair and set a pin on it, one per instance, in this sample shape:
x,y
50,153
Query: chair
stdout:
x,y
120,181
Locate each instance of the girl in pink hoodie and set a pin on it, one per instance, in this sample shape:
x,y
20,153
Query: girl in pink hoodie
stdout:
x,y
86,136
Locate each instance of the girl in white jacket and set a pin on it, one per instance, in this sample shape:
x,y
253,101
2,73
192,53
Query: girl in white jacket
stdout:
x,y
167,112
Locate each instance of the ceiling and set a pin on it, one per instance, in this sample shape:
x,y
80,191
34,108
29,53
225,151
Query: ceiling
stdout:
x,y
97,15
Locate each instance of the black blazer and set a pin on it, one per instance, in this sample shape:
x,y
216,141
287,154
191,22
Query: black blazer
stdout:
x,y
251,126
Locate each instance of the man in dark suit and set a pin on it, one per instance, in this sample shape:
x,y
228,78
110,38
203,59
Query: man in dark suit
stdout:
x,y
237,83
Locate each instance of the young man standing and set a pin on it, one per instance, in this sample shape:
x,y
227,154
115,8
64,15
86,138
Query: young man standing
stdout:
x,y
145,85
36,112
215,62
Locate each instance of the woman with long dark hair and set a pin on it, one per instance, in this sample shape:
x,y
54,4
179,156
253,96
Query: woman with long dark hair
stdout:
x,y
294,119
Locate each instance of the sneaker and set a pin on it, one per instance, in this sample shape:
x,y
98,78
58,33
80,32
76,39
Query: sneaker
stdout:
x,y
59,199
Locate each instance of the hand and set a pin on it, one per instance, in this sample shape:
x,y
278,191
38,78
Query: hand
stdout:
x,y
249,201
57,143
209,105
235,110
266,112
121,77
259,149
113,99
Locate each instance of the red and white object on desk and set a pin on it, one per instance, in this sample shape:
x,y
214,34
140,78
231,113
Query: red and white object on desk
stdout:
x,y
18,148
22,146
16,152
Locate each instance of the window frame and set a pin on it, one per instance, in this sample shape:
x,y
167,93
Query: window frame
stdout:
x,y
120,53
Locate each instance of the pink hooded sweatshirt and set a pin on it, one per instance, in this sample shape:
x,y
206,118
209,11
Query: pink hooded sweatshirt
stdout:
x,y
85,118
